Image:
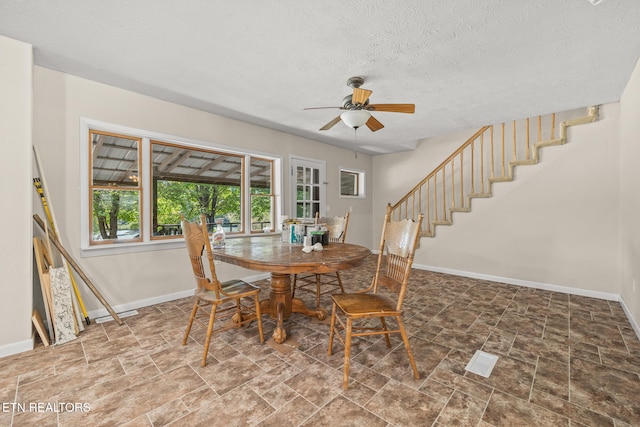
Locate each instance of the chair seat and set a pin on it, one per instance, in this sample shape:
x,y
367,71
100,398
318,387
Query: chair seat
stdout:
x,y
356,305
233,288
214,296
397,248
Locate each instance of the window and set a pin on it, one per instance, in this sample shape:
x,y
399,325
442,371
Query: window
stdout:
x,y
192,181
139,184
262,195
115,188
352,183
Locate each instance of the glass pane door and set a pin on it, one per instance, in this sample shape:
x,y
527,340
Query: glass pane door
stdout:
x,y
308,177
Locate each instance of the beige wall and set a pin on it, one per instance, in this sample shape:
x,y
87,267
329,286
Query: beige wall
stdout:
x,y
16,185
556,225
630,194
61,100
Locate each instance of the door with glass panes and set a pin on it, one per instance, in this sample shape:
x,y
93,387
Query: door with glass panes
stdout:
x,y
308,179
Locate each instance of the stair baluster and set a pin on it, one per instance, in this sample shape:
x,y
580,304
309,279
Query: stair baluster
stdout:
x,y
475,169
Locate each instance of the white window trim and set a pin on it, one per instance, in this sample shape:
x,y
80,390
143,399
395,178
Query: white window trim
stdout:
x,y
362,178
147,244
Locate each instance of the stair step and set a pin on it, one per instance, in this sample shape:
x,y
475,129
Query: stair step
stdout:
x,y
480,195
441,222
501,179
460,209
549,143
523,162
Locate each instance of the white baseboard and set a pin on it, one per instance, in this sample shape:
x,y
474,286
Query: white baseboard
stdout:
x,y
101,312
633,322
16,347
538,285
526,283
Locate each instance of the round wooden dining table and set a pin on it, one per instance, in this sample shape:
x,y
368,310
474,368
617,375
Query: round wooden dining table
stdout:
x,y
269,253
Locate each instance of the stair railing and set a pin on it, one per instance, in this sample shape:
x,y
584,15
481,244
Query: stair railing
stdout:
x,y
488,156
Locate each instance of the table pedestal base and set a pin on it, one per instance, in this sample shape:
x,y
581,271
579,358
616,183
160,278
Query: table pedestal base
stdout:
x,y
280,305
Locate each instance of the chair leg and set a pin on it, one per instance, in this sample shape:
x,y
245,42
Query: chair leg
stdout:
x,y
384,328
238,315
405,339
212,319
347,353
191,319
293,287
259,315
339,281
332,328
318,291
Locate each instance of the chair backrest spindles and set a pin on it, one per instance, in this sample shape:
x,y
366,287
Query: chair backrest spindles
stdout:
x,y
398,243
196,239
337,227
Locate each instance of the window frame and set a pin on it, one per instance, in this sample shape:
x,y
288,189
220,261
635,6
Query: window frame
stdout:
x,y
361,183
147,242
275,213
112,186
241,157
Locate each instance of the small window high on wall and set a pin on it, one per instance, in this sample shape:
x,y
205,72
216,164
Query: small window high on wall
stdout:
x,y
352,183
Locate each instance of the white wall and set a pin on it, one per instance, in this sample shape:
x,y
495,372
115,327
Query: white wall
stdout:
x,y
556,224
16,184
61,100
630,194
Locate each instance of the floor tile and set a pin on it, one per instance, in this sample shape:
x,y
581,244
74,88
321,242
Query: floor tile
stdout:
x,y
404,406
562,360
606,390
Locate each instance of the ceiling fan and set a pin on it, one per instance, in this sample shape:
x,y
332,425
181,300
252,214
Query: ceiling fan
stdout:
x,y
358,108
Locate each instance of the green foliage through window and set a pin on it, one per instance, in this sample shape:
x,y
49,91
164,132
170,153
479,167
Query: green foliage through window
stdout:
x,y
178,179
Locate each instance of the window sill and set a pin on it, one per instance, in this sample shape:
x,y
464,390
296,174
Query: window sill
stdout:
x,y
129,248
155,245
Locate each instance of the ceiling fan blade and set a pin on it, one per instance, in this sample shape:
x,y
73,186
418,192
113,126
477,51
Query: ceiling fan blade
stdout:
x,y
374,124
360,96
393,108
318,108
331,124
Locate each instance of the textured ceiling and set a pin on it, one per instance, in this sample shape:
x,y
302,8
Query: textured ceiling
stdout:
x,y
463,63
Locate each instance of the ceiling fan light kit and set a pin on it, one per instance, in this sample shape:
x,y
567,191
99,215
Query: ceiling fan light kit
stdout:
x,y
358,109
355,118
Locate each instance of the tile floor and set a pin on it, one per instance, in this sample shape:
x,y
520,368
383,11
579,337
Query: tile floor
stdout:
x,y
563,361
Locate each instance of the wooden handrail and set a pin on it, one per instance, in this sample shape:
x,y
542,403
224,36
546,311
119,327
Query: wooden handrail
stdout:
x,y
440,166
477,171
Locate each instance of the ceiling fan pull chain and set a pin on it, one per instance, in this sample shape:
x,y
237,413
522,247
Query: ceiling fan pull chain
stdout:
x,y
355,142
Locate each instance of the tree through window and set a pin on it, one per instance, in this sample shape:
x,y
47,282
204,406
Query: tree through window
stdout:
x,y
193,182
131,200
115,188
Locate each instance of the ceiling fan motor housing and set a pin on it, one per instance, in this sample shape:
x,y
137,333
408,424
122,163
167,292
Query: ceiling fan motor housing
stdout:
x,y
347,103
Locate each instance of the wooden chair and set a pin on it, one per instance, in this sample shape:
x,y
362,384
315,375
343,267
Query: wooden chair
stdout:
x,y
337,228
397,248
226,299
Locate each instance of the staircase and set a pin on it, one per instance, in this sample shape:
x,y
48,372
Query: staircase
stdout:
x,y
489,156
